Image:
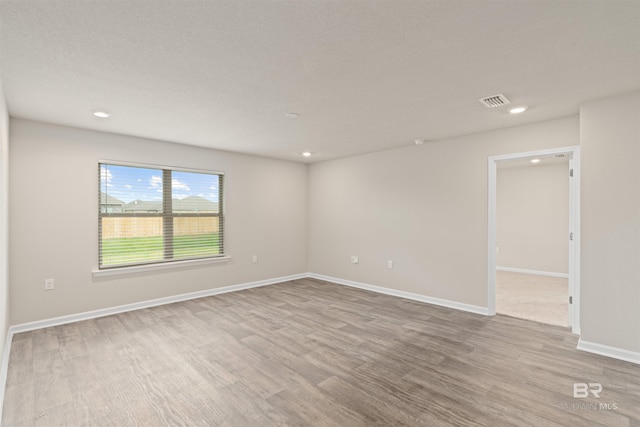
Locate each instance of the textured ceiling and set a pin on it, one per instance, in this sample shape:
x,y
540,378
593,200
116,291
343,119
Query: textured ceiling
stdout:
x,y
362,75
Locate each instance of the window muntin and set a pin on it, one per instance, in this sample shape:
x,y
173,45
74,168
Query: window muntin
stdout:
x,y
153,215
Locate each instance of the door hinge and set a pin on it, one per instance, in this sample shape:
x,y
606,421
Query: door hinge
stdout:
x,y
570,236
571,172
570,300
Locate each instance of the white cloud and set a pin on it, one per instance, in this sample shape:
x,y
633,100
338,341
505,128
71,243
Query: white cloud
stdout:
x,y
128,186
105,176
155,181
177,185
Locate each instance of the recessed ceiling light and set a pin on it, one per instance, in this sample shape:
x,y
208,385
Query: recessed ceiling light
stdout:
x,y
419,141
307,154
535,160
292,115
518,110
101,114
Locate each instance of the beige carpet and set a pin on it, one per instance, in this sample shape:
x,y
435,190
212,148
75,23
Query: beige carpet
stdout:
x,y
532,297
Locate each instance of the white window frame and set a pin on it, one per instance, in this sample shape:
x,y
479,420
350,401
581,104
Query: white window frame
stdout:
x,y
167,216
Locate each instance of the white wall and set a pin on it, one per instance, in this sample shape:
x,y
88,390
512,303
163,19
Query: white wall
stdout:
x,y
53,196
532,217
4,224
610,268
424,207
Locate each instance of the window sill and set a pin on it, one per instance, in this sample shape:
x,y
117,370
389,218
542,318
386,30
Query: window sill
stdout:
x,y
154,267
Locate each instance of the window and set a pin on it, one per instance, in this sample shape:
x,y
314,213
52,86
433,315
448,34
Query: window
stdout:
x,y
150,215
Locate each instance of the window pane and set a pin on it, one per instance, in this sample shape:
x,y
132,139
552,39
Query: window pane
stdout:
x,y
151,215
194,192
131,240
196,237
130,189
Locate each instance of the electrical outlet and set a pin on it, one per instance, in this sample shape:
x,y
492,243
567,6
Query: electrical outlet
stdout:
x,y
354,259
254,258
48,284
390,264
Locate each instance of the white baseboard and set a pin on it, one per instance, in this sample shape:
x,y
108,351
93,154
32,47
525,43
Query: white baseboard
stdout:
x,y
605,350
39,324
536,272
408,295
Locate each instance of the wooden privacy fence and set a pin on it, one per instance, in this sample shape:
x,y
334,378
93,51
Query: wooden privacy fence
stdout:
x,y
119,227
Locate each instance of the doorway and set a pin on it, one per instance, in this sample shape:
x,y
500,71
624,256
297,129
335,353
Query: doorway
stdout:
x,y
528,281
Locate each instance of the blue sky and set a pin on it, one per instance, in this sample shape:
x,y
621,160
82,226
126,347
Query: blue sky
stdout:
x,y
133,183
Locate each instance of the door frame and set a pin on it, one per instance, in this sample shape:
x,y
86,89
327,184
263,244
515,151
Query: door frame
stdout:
x,y
574,227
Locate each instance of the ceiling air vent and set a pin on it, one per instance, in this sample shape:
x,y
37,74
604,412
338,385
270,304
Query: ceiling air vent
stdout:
x,y
494,101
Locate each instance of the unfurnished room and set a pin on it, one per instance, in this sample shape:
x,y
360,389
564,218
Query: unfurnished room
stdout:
x,y
319,213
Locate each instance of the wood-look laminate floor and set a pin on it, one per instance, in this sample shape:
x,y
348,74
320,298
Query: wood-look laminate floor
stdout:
x,y
311,353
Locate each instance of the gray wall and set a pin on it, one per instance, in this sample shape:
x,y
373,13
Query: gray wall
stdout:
x,y
53,196
532,217
424,207
4,211
610,268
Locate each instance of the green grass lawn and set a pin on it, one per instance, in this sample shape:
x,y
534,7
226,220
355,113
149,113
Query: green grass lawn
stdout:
x,y
142,250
